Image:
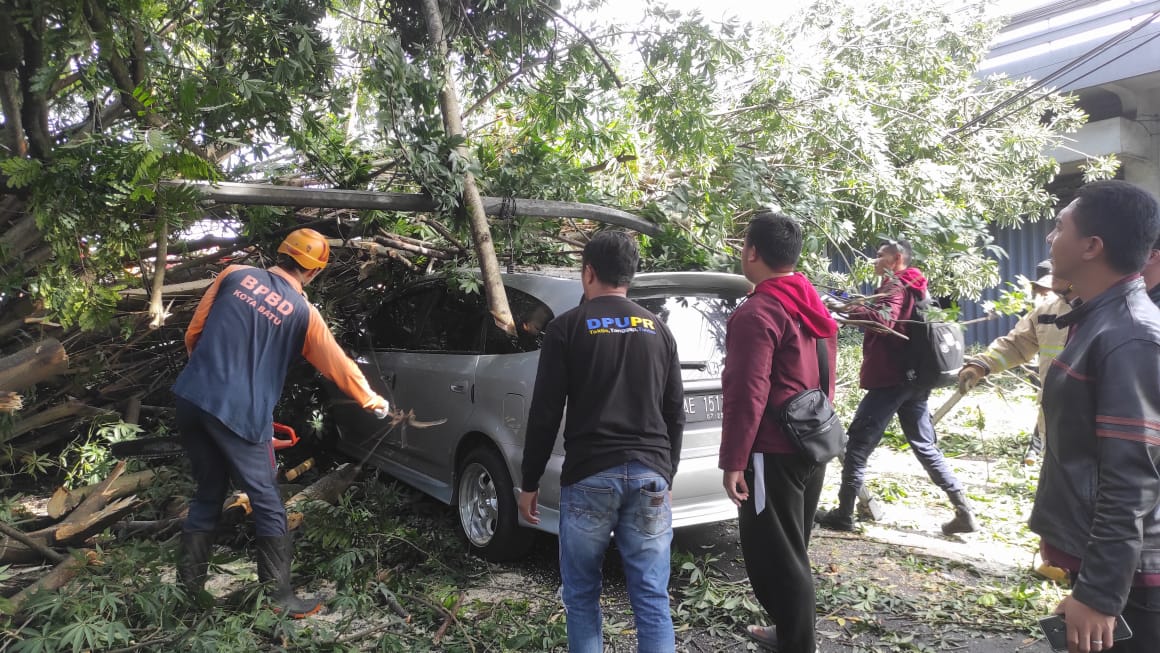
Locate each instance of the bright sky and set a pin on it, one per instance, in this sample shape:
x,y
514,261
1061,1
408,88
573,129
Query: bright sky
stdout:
x,y
758,11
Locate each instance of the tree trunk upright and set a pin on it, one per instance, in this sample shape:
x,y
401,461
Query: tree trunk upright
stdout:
x,y
497,301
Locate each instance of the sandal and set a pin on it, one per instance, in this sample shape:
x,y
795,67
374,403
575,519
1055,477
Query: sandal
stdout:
x,y
764,635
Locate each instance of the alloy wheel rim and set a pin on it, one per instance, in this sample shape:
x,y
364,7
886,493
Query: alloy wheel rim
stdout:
x,y
478,504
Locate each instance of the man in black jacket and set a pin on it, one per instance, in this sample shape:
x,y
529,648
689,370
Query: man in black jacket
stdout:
x,y
1096,509
616,366
1151,273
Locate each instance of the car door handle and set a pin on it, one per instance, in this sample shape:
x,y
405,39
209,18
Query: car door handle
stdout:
x,y
459,386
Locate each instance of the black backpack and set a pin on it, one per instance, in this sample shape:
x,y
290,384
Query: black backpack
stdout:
x,y
935,350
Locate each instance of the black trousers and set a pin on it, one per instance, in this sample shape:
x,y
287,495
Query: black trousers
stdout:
x,y
1143,616
775,545
218,455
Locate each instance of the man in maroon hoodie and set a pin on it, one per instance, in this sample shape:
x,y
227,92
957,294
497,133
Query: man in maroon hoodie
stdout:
x,y
885,371
771,355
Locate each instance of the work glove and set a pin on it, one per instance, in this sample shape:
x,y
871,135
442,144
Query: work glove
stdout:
x,y
969,377
384,411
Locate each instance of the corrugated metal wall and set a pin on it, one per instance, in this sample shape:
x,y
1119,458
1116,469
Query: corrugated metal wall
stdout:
x,y
1025,248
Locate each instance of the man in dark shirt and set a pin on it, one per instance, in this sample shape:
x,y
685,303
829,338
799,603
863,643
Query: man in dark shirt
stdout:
x,y
771,356
889,391
1097,507
616,366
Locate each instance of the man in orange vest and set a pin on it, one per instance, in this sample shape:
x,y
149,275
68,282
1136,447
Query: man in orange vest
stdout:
x,y
249,326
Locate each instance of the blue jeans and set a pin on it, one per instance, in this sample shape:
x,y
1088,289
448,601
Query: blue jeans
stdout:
x,y
632,501
865,432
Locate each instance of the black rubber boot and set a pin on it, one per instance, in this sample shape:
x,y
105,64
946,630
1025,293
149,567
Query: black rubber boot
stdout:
x,y
842,517
193,560
274,556
964,521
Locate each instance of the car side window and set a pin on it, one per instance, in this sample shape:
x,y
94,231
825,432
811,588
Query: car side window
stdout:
x,y
531,317
454,324
396,324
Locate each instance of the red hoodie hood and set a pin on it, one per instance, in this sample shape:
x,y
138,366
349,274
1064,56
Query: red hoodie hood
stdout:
x,y
801,302
912,278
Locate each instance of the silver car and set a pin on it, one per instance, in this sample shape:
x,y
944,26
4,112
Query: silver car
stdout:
x,y
434,349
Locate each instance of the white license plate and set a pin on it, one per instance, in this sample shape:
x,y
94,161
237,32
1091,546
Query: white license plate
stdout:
x,y
703,408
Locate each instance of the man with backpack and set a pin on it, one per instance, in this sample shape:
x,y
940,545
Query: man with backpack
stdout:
x,y
896,383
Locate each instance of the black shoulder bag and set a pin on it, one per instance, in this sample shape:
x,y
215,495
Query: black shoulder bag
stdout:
x,y
809,420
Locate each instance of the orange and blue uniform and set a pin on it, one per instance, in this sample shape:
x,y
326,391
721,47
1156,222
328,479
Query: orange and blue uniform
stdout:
x,y
247,329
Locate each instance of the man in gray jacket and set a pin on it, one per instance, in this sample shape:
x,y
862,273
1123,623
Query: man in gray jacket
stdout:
x,y
1096,509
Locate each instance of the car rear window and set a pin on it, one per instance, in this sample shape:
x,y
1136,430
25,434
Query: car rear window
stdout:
x,y
698,325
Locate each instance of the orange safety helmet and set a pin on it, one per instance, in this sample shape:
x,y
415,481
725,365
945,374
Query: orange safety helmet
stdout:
x,y
308,247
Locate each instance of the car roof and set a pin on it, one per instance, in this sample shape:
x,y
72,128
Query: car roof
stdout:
x,y
560,288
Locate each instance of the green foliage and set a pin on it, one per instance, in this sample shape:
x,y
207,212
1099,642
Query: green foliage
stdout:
x,y
139,92
855,119
21,172
855,124
374,552
710,601
1014,298
90,461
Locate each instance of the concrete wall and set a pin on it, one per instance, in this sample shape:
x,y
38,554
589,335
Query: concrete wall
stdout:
x,y
1042,42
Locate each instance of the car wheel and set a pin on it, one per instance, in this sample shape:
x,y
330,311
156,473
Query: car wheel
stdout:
x,y
485,500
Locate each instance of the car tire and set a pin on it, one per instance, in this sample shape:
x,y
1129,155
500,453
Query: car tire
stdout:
x,y
486,506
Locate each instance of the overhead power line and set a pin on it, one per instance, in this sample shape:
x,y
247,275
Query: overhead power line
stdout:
x,y
1063,70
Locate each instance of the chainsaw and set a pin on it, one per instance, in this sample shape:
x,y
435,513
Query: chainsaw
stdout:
x,y
170,446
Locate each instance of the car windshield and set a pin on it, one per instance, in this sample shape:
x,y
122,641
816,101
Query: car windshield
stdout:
x,y
698,325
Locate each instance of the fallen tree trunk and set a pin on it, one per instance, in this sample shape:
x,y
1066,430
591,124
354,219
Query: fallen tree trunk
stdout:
x,y
63,501
10,402
32,543
72,531
99,497
32,365
396,243
50,416
271,195
497,301
376,250
328,488
69,532
55,579
187,288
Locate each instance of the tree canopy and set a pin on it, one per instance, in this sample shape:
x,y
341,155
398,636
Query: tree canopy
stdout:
x,y
854,119
861,121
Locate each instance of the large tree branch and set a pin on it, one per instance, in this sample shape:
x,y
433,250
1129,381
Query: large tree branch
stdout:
x,y
157,311
99,21
94,122
34,108
445,232
10,106
587,39
507,81
476,214
65,82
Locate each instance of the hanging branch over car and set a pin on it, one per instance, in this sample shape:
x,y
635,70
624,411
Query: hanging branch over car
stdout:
x,y
271,195
497,300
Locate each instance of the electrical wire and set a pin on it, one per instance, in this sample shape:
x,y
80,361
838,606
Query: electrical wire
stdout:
x,y
1076,79
1063,70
